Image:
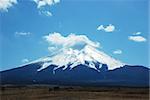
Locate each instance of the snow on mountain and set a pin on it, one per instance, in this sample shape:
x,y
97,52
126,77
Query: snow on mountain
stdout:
x,y
74,57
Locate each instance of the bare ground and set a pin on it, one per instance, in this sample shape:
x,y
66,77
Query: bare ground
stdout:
x,y
72,93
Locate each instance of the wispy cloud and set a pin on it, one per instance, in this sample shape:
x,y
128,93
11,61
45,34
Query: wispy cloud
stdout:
x,y
5,4
22,33
118,51
56,40
46,13
137,38
51,48
25,60
109,28
136,33
42,3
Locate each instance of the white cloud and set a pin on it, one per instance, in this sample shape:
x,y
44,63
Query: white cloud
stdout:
x,y
56,40
109,28
101,27
56,1
42,3
25,60
22,33
137,38
137,33
5,4
46,13
51,48
117,52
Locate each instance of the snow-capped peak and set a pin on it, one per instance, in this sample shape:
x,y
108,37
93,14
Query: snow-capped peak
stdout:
x,y
76,57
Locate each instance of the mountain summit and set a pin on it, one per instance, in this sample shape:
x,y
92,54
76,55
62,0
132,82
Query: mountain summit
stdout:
x,y
71,58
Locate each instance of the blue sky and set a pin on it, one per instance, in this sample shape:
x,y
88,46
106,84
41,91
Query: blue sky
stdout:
x,y
123,33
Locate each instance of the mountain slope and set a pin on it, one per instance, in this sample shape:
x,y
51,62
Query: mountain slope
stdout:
x,y
81,75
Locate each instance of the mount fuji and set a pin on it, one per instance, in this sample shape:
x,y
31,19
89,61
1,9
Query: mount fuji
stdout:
x,y
87,66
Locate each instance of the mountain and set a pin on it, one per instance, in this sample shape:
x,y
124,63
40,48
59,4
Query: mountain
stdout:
x,y
87,66
88,56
